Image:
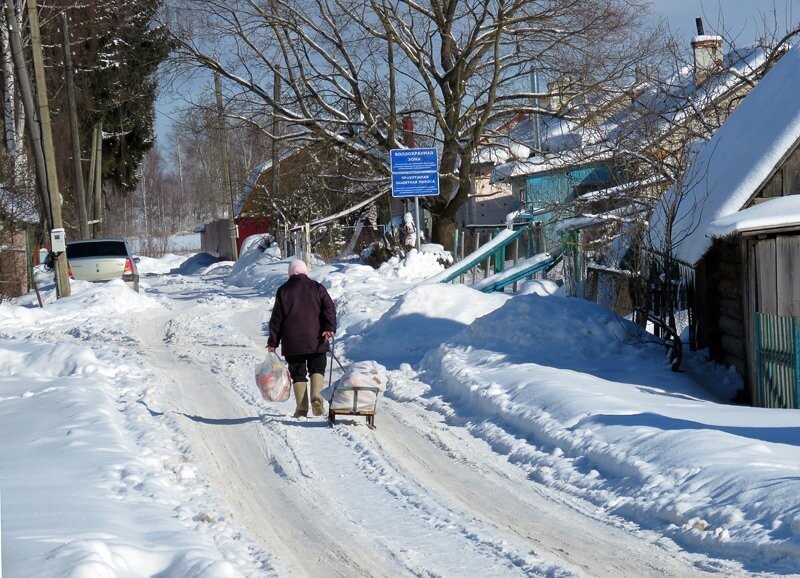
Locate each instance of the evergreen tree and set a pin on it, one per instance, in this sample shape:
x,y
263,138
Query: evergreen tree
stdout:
x,y
116,50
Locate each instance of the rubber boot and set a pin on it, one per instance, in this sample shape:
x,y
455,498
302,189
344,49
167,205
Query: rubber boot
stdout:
x,y
317,404
300,399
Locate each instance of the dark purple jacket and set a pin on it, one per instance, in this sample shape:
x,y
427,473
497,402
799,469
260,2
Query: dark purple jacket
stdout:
x,y
302,311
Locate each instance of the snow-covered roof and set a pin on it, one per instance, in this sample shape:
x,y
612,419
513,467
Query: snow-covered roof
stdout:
x,y
252,179
612,192
657,107
537,165
738,159
771,214
499,154
673,100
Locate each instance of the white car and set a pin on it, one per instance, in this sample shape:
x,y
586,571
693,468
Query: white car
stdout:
x,y
102,260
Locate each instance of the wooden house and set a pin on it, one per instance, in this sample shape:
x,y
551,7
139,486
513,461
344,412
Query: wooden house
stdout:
x,y
733,229
313,171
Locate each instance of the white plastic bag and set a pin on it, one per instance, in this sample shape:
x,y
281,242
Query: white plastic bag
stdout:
x,y
273,379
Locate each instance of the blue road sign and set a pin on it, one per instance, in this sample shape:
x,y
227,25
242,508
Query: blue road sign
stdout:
x,y
415,172
415,184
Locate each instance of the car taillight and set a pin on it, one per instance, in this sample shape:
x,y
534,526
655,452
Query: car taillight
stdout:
x,y
128,267
69,271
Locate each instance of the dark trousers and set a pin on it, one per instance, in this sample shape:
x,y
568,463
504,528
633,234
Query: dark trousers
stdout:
x,y
302,365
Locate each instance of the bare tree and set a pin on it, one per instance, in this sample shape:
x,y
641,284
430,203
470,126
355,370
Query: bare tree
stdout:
x,y
673,112
352,68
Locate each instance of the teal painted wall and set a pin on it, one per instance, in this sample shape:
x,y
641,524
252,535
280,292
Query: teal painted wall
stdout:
x,y
545,189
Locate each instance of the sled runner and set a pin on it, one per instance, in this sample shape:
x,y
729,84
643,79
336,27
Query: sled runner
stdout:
x,y
356,392
364,402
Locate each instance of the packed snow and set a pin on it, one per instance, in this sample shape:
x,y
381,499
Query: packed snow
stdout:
x,y
519,434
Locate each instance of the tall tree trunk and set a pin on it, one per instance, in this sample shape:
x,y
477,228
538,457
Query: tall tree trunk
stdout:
x,y
13,115
77,167
26,93
444,230
9,92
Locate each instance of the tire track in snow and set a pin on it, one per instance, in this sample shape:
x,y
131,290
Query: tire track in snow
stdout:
x,y
315,494
228,438
558,527
283,479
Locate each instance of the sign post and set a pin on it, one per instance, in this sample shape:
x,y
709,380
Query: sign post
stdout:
x,y
415,173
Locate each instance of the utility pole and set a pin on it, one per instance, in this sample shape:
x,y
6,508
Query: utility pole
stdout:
x,y
28,105
40,134
62,280
77,169
225,168
97,195
276,147
90,184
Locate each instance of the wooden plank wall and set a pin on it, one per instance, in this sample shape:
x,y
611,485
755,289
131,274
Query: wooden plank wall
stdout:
x,y
787,254
778,275
766,279
723,314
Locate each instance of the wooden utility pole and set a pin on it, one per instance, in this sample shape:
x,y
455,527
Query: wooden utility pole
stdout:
x,y
62,280
276,147
97,195
225,168
39,131
28,105
90,184
77,169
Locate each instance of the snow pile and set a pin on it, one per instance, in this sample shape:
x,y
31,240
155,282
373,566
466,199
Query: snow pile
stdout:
x,y
161,266
416,265
587,403
542,287
419,320
266,267
103,489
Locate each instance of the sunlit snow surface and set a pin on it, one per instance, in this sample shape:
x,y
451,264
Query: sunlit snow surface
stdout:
x,y
98,476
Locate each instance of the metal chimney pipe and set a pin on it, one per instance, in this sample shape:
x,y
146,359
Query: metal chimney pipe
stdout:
x,y
699,23
536,121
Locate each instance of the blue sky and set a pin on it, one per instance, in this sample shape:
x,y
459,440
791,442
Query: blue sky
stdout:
x,y
742,20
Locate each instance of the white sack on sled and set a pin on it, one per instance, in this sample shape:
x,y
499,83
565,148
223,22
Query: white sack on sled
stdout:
x,y
360,374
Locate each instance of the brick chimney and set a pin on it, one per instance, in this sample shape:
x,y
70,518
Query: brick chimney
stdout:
x,y
707,54
408,131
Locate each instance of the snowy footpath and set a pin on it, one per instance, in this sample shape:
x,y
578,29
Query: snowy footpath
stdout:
x,y
520,434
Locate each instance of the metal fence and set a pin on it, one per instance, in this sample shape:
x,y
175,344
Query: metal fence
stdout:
x,y
777,361
469,239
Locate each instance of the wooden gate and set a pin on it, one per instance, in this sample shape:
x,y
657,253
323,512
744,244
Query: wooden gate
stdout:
x,y
777,357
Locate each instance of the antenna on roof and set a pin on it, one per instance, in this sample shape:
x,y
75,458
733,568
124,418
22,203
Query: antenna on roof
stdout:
x,y
699,23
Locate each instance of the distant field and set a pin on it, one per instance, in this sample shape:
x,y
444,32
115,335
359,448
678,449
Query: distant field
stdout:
x,y
180,244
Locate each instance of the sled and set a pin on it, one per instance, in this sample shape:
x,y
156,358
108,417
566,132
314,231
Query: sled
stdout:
x,y
356,392
366,406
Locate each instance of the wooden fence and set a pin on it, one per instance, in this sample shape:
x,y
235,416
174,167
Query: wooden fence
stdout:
x,y
777,360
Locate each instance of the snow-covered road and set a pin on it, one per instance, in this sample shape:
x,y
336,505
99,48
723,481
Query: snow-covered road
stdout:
x,y
419,496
